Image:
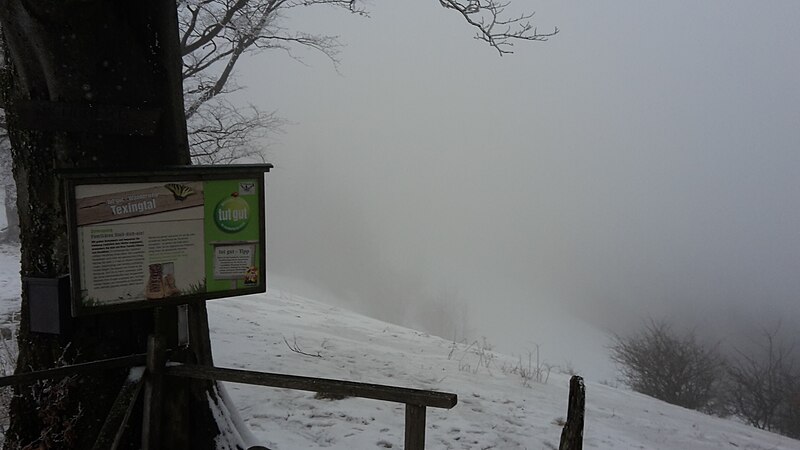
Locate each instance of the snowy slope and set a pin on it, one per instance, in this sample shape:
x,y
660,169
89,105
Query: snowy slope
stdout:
x,y
495,408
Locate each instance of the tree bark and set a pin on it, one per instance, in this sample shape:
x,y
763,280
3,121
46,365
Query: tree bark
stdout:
x,y
80,56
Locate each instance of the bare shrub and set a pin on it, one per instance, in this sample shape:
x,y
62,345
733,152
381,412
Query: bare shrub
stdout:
x,y
764,386
677,369
789,413
530,372
787,419
525,372
480,349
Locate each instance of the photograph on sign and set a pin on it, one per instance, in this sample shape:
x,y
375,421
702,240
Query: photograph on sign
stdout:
x,y
163,240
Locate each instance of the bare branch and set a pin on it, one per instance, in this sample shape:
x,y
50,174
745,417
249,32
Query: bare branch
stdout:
x,y
296,348
219,32
351,5
487,16
189,25
215,28
222,134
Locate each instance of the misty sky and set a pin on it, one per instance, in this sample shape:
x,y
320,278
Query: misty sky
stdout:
x,y
645,161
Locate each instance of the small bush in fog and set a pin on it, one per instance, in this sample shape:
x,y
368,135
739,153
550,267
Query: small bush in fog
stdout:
x,y
764,386
673,367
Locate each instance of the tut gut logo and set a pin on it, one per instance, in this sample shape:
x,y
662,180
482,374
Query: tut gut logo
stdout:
x,y
232,213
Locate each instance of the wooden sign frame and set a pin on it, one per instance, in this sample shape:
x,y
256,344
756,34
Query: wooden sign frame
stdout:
x,y
140,240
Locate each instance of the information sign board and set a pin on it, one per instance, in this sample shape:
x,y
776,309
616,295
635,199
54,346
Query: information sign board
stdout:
x,y
173,236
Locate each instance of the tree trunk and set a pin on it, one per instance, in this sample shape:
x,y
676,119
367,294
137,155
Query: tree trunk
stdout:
x,y
77,57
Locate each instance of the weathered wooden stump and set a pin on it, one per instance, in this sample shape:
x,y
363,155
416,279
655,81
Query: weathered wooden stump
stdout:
x,y
572,434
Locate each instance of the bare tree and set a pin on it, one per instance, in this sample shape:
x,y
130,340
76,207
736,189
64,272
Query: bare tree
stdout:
x,y
675,368
765,385
217,34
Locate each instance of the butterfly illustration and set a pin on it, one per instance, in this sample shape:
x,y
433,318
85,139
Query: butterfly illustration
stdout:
x,y
246,188
180,191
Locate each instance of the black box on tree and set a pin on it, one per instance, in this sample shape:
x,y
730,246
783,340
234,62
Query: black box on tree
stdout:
x,y
49,304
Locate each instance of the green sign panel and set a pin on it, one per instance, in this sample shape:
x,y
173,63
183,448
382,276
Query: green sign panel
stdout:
x,y
169,237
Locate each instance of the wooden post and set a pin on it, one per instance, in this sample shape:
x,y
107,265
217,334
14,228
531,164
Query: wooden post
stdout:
x,y
415,427
153,394
572,434
117,422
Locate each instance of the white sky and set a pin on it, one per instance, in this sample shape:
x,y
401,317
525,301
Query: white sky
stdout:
x,y
644,161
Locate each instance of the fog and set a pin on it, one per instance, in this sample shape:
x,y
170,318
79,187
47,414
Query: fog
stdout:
x,y
643,162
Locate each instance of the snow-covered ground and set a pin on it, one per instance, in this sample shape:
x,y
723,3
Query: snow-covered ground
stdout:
x,y
9,285
496,408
